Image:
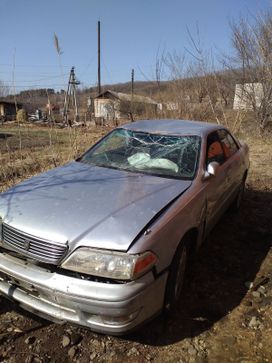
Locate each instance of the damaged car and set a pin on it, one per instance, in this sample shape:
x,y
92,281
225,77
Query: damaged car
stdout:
x,y
105,241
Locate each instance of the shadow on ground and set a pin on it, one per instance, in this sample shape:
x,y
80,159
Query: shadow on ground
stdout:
x,y
233,255
29,323
4,136
5,305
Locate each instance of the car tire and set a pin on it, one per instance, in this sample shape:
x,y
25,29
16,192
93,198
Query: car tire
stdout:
x,y
177,277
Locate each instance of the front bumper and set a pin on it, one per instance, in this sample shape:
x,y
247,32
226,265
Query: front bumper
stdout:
x,y
102,307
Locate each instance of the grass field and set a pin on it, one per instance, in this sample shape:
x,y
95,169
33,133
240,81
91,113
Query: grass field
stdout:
x,y
28,150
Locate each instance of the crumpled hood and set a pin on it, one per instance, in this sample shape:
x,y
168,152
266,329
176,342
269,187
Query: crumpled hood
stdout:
x,y
87,205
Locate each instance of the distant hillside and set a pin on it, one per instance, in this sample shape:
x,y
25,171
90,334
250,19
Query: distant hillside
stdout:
x,y
145,88
218,86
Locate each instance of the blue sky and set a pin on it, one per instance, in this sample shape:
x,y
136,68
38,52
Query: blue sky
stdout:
x,y
131,34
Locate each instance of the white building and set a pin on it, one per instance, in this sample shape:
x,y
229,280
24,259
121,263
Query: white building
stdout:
x,y
111,105
247,95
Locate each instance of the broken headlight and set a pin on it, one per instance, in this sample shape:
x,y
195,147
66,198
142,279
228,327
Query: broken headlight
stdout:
x,y
114,265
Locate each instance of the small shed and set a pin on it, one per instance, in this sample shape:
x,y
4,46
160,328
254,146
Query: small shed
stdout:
x,y
111,105
8,110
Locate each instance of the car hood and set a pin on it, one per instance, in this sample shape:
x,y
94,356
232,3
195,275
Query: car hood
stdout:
x,y
87,205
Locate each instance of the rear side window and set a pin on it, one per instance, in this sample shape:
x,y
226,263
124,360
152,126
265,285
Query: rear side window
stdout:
x,y
228,143
214,149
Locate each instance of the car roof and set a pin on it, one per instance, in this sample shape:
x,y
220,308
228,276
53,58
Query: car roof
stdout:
x,y
172,127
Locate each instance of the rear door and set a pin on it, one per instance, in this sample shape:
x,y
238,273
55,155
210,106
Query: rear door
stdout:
x,y
216,187
233,163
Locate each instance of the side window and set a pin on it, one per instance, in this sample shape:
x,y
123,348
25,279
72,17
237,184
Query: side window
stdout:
x,y
214,149
229,145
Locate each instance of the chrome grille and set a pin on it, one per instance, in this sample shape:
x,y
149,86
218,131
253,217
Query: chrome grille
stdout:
x,y
30,246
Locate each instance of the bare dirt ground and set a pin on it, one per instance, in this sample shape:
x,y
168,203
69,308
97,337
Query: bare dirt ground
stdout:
x,y
226,311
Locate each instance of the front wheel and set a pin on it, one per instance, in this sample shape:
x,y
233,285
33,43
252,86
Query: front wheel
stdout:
x,y
177,277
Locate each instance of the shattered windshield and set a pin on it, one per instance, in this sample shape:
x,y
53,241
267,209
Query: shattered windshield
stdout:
x,y
162,155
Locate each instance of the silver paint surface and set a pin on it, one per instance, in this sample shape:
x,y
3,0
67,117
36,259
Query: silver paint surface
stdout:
x,y
93,206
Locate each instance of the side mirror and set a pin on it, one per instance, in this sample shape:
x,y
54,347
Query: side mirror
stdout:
x,y
212,169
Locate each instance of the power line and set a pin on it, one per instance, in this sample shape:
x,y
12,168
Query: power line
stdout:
x,y
33,65
37,80
26,87
87,67
107,71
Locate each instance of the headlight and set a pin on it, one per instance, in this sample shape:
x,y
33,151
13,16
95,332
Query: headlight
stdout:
x,y
115,265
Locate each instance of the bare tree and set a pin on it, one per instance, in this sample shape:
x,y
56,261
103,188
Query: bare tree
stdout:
x,y
192,75
252,64
4,89
225,84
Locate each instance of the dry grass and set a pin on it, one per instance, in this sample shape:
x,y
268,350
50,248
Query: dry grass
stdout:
x,y
260,175
28,150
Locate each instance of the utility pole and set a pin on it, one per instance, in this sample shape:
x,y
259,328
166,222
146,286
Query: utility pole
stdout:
x,y
132,95
132,83
71,94
98,57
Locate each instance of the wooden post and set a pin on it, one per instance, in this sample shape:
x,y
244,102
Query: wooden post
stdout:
x,y
132,94
98,58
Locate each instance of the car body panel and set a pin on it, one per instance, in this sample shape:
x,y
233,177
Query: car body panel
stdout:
x,y
109,208
172,127
60,298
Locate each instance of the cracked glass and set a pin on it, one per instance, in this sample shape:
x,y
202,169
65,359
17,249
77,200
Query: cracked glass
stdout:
x,y
162,155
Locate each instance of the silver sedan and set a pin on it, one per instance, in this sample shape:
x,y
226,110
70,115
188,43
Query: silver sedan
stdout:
x,y
106,240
